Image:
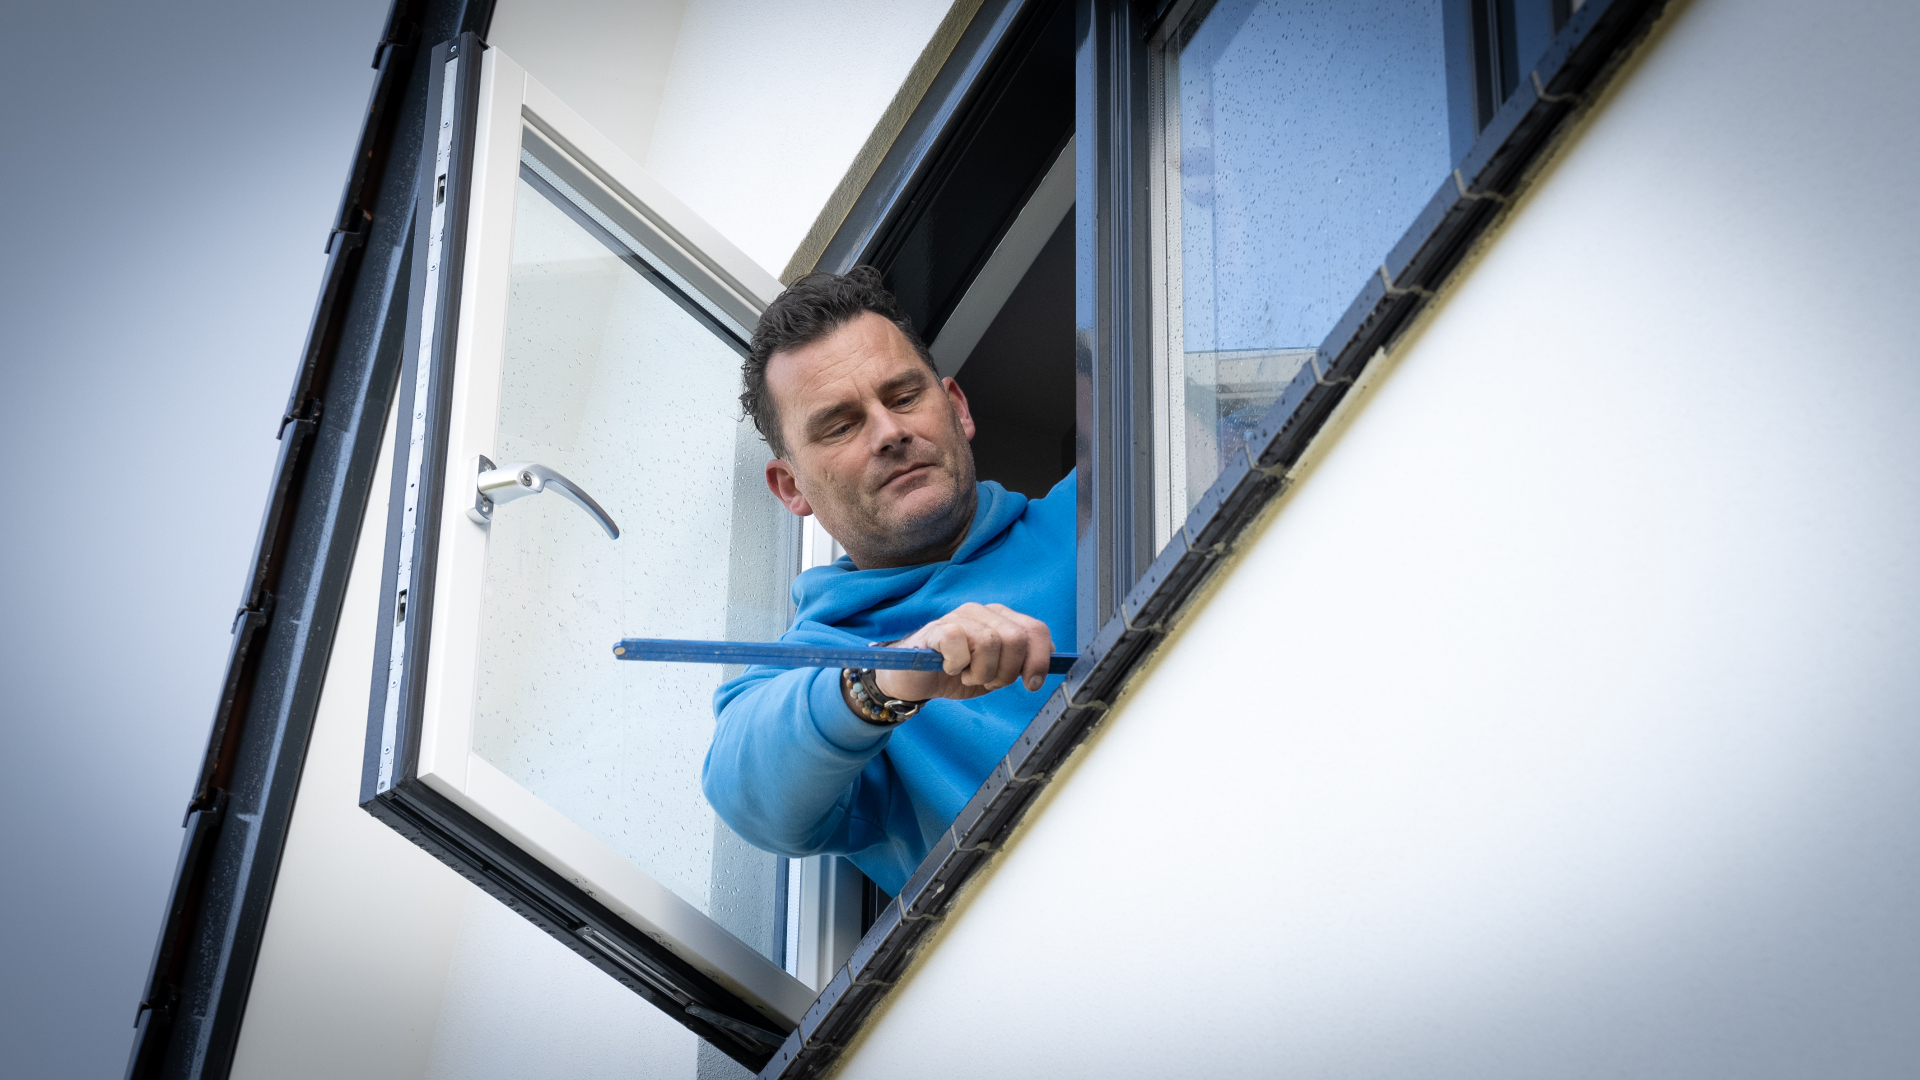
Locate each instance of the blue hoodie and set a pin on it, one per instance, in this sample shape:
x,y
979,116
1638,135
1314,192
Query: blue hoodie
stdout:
x,y
793,770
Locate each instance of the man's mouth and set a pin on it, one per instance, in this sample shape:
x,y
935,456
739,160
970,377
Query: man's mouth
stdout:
x,y
906,473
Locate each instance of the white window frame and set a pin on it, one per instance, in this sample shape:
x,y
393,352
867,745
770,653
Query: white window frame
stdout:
x,y
514,107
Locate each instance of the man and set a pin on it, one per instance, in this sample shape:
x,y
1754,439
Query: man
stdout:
x,y
869,438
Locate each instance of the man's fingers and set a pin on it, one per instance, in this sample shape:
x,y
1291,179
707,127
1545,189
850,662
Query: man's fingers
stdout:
x,y
988,645
954,645
1039,657
1037,647
980,660
1012,645
1019,655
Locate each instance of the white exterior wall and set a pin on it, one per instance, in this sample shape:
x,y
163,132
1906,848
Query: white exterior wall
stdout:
x,y
1562,721
377,960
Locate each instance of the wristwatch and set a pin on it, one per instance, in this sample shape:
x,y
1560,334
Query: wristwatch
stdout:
x,y
869,704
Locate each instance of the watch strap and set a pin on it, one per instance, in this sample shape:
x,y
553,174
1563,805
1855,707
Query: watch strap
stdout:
x,y
869,703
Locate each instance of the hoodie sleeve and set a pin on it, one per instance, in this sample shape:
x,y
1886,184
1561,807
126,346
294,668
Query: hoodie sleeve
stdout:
x,y
791,768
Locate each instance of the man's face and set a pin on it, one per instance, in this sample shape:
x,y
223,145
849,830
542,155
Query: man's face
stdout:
x,y
876,444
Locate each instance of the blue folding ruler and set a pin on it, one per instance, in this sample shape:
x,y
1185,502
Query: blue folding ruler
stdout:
x,y
779,654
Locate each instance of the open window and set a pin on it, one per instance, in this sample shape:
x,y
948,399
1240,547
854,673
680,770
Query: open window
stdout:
x,y
571,468
1009,342
969,216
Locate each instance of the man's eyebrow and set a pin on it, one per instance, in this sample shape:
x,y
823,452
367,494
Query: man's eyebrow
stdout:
x,y
819,419
904,381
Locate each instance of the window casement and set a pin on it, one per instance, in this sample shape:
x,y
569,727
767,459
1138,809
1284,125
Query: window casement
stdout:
x,y
571,468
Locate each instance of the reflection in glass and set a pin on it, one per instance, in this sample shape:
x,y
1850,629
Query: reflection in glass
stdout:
x,y
1303,136
611,378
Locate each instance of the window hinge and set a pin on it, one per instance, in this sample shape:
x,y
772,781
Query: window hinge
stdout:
x,y
1401,290
211,806
1320,376
1274,472
407,32
747,1034
1540,90
1460,185
355,236
253,617
308,414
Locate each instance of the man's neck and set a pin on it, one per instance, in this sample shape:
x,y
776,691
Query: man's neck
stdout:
x,y
932,553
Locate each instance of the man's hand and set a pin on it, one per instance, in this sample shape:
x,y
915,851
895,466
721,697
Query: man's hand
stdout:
x,y
985,646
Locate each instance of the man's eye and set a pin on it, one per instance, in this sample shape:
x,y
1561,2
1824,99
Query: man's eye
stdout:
x,y
905,401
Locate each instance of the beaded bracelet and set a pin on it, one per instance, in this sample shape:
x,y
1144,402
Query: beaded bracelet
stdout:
x,y
869,703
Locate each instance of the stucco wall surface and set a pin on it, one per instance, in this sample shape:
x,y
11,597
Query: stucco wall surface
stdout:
x,y
1561,723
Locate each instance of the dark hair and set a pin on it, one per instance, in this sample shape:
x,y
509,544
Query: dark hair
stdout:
x,y
814,306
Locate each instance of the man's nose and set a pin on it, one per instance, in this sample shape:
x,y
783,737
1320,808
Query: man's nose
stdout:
x,y
886,432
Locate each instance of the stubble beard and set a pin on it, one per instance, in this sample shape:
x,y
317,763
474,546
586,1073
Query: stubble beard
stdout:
x,y
900,542
880,539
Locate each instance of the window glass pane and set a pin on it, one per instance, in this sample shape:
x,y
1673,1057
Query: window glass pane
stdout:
x,y
613,379
1308,135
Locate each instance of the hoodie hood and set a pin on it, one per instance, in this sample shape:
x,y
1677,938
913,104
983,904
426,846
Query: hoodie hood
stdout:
x,y
830,594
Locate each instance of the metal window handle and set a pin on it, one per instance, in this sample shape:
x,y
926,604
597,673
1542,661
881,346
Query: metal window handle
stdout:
x,y
520,479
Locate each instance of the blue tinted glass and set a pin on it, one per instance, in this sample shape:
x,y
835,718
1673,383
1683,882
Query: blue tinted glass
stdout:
x,y
1310,134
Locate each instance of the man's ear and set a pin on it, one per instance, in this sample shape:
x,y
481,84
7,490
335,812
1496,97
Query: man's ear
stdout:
x,y
780,481
959,399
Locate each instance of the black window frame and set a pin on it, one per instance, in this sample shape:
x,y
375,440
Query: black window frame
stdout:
x,y
187,1022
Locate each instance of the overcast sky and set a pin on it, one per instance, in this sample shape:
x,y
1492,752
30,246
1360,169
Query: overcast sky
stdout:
x,y
170,174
